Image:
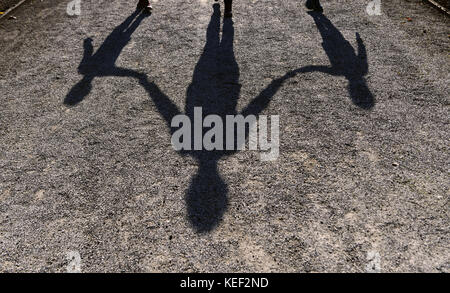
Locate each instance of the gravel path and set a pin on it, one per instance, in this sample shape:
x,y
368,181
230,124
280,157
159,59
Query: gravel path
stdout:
x,y
88,169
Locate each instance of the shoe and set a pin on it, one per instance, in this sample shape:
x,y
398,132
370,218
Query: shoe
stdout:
x,y
314,5
145,6
228,9
148,8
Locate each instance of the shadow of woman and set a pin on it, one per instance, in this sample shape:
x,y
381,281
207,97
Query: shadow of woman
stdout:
x,y
103,62
214,88
344,61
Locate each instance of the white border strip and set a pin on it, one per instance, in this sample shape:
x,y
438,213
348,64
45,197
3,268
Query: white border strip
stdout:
x,y
12,8
439,6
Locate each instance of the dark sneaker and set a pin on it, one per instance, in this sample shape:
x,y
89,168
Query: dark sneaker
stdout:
x,y
145,6
314,5
141,4
148,8
228,8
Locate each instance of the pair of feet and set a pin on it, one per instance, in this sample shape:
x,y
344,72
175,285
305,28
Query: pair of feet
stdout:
x,y
145,6
314,5
310,4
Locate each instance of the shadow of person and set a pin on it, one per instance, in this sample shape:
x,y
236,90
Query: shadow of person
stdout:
x,y
344,61
103,62
216,89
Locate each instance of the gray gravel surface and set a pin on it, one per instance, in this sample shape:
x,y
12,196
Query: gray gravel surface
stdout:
x,y
87,166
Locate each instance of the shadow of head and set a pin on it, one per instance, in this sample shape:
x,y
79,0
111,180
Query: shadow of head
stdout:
x,y
79,91
206,197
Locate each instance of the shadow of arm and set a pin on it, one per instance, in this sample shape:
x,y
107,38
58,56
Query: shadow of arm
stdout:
x,y
258,104
162,102
362,53
87,54
88,48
